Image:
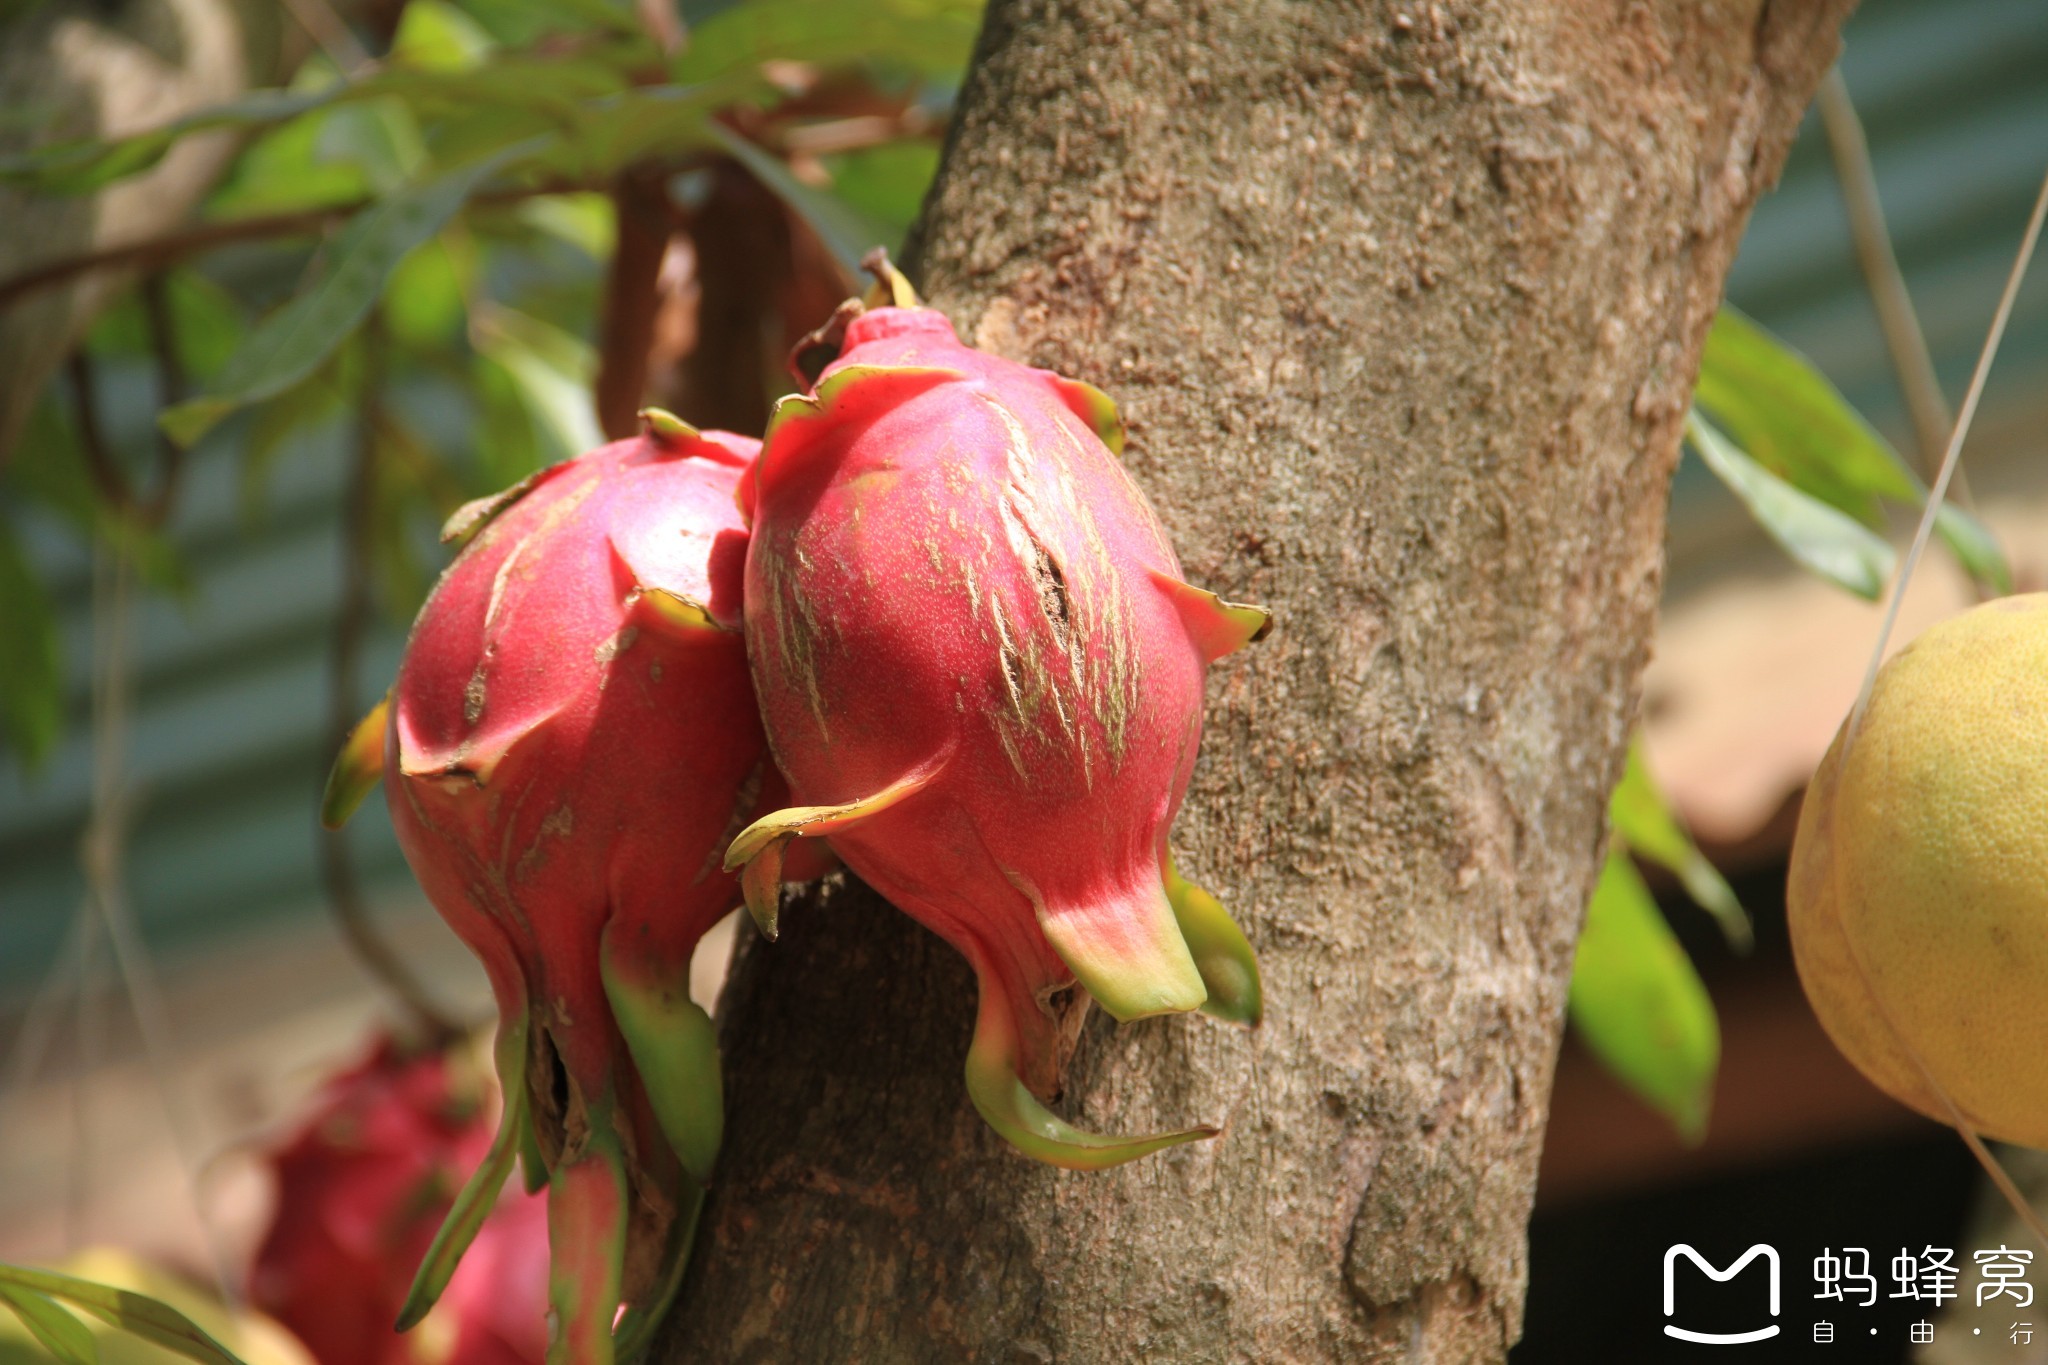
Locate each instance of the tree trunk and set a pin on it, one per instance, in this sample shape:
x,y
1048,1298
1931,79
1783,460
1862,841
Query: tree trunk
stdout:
x,y
1403,305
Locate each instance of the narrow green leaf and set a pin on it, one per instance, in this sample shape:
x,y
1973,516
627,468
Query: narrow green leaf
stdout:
x,y
554,371
291,343
137,1314
1827,541
1646,824
1638,1004
846,232
1974,547
1776,405
31,663
62,1335
83,165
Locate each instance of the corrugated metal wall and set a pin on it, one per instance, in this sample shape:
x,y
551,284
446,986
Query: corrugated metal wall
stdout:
x,y
226,742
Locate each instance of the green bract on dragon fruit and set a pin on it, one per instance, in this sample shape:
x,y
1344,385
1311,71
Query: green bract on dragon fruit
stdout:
x,y
571,743
982,673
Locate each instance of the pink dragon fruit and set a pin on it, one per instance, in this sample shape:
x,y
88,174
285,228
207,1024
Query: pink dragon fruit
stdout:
x,y
362,1183
571,741
980,669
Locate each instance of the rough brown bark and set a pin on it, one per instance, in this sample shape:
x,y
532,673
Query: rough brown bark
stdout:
x,y
1403,305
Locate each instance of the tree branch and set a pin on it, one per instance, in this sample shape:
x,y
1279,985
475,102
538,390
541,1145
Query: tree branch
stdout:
x,y
166,249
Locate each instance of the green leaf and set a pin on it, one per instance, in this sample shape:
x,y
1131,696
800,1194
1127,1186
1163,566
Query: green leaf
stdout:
x,y
1776,405
846,232
1827,541
292,343
436,36
553,370
291,414
587,222
379,137
928,37
1646,824
61,1334
83,165
1638,1004
887,184
47,467
137,1314
206,321
1975,548
31,663
282,172
428,295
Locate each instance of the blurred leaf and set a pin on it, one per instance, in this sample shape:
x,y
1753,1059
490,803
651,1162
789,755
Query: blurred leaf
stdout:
x,y
82,165
275,423
886,184
649,121
436,36
1646,824
1776,405
291,343
585,221
553,369
381,137
1827,541
282,172
556,87
207,320
412,493
508,440
1638,1004
47,467
846,232
931,37
31,664
153,1321
1975,548
429,291
61,1334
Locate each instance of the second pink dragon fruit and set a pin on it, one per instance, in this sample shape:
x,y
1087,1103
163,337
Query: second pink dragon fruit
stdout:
x,y
982,673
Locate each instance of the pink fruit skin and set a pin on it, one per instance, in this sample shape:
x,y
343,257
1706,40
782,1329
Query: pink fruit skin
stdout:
x,y
954,578
567,754
361,1186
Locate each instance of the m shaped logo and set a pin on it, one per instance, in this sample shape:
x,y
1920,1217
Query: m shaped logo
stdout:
x,y
1769,1255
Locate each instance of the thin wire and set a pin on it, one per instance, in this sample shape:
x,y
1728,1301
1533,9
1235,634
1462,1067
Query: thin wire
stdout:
x,y
1949,460
1896,317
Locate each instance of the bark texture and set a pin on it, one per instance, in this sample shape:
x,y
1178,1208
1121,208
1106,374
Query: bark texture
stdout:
x,y
1403,305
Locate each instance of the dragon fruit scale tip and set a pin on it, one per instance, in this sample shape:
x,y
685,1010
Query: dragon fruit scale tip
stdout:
x,y
982,673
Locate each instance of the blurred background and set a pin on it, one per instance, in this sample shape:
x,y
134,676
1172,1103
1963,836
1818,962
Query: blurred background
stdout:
x,y
189,622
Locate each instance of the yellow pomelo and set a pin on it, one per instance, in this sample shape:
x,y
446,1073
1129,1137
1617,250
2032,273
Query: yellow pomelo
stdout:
x,y
1918,896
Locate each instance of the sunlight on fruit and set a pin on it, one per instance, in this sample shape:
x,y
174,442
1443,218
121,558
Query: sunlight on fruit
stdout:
x,y
1918,896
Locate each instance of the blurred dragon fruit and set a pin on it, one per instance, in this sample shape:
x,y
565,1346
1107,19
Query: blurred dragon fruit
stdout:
x,y
571,741
362,1184
980,668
